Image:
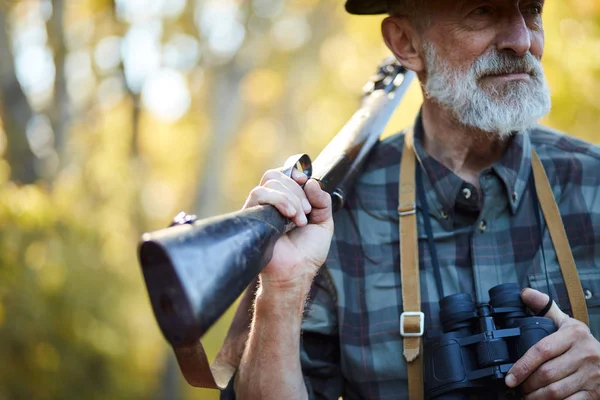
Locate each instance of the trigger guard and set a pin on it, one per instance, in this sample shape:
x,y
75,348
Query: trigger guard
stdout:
x,y
293,161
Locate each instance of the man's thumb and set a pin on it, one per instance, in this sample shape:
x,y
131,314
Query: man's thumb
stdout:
x,y
536,301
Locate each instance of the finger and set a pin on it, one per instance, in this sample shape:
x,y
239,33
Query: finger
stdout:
x,y
266,196
551,371
300,217
320,200
558,390
536,301
299,178
579,396
294,186
546,349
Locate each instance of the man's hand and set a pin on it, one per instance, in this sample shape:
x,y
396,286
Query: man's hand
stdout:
x,y
298,254
564,365
270,367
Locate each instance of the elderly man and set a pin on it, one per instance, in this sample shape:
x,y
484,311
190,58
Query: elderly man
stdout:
x,y
484,89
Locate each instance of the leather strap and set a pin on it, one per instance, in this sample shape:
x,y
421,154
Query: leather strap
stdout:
x,y
416,386
194,363
560,241
409,262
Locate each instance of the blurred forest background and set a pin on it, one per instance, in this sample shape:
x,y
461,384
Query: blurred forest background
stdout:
x,y
115,115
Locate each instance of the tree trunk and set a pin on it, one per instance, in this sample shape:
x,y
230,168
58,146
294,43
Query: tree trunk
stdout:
x,y
226,116
59,112
16,114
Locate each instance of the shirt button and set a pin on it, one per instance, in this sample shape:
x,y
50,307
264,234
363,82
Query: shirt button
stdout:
x,y
482,226
467,193
587,294
515,196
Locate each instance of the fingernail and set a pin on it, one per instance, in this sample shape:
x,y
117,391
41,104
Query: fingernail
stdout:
x,y
306,205
290,209
510,380
303,220
297,174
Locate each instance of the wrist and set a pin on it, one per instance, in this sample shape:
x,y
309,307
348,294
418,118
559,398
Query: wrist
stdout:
x,y
278,298
297,285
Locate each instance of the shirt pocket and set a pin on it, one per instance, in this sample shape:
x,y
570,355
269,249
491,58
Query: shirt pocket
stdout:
x,y
590,282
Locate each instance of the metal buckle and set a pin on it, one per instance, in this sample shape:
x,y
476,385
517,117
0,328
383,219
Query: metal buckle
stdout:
x,y
421,323
407,209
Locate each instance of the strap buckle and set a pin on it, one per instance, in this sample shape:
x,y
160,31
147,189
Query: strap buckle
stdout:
x,y
421,316
407,209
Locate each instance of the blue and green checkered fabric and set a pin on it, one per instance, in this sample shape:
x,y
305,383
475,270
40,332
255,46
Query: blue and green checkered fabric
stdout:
x,y
351,344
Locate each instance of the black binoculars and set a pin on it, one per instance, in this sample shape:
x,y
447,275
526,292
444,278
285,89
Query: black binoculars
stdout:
x,y
479,343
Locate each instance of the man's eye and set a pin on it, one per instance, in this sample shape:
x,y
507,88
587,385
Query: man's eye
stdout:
x,y
485,10
535,10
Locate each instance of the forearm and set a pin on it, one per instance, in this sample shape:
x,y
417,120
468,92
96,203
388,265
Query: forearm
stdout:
x,y
270,367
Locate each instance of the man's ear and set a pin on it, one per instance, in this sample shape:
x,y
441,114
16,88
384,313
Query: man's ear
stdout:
x,y
401,38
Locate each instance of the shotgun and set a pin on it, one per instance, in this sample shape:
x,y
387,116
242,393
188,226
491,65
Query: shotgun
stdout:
x,y
196,269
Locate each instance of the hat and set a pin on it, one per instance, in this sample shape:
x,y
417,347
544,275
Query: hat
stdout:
x,y
362,7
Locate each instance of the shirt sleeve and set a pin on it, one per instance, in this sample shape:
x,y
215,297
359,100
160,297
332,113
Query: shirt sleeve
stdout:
x,y
319,343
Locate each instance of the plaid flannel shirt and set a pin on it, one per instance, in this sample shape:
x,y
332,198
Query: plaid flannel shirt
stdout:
x,y
351,343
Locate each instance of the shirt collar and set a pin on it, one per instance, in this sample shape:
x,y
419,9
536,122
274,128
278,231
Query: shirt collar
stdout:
x,y
512,169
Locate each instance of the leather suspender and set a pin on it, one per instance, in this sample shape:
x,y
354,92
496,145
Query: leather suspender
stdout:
x,y
560,241
411,321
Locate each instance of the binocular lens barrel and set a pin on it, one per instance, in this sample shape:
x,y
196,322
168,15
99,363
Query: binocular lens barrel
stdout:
x,y
506,295
456,311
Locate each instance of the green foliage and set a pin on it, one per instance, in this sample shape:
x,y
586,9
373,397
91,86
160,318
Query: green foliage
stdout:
x,y
68,326
75,320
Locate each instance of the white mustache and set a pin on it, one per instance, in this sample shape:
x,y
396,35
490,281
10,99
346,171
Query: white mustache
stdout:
x,y
496,63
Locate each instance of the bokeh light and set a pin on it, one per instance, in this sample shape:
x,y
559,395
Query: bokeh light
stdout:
x,y
116,115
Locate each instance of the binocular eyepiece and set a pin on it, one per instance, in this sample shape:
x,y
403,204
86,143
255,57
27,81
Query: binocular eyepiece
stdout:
x,y
479,343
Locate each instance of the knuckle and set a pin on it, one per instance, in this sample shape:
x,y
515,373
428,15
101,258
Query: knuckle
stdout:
x,y
263,194
272,184
544,349
591,358
546,373
553,392
524,368
283,198
292,198
580,330
520,368
257,192
270,175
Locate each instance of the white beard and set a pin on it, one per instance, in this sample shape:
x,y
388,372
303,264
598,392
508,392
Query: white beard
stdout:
x,y
513,107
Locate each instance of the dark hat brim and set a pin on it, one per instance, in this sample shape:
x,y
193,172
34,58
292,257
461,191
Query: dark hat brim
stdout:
x,y
366,7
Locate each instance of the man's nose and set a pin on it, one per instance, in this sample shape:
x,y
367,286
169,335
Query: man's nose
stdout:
x,y
514,36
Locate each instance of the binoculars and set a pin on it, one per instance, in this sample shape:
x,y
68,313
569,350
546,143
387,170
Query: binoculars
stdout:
x,y
479,343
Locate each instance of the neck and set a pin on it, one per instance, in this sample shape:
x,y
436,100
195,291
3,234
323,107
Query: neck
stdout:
x,y
464,150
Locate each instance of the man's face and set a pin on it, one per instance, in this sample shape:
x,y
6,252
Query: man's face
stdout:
x,y
483,62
